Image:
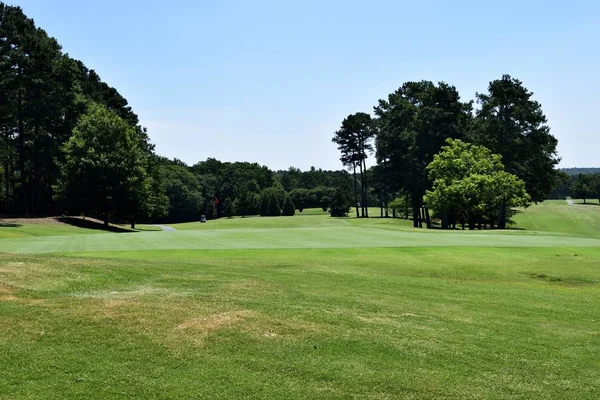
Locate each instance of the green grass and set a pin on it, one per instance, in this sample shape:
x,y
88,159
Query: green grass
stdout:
x,y
304,307
558,216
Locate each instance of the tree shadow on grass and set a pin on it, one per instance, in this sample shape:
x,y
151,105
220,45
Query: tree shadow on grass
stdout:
x,y
92,224
9,225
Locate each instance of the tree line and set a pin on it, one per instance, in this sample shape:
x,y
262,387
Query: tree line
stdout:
x,y
70,143
434,152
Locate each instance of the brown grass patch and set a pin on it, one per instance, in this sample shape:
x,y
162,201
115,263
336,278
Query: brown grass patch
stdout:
x,y
6,289
209,323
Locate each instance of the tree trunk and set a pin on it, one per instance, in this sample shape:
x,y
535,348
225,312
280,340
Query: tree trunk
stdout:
x,y
444,217
362,190
584,201
6,185
415,216
21,151
132,224
386,199
355,192
365,192
106,222
427,217
502,217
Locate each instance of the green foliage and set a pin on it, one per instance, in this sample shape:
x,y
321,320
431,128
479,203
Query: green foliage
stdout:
x,y
229,208
288,207
340,203
184,191
510,123
354,140
401,205
245,202
211,211
471,186
594,185
104,173
582,187
413,124
43,93
269,203
301,198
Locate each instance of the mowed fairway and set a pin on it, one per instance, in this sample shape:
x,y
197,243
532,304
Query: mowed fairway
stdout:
x,y
304,307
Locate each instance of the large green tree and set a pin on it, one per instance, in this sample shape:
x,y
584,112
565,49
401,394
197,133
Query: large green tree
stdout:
x,y
270,205
104,173
510,123
354,140
582,187
413,124
470,185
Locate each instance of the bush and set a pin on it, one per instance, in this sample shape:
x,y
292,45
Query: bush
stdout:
x,y
341,203
288,207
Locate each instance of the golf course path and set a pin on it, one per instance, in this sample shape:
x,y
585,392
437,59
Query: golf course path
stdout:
x,y
165,228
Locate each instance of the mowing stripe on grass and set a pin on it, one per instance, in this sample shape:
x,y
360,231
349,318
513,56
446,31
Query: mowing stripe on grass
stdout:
x,y
285,238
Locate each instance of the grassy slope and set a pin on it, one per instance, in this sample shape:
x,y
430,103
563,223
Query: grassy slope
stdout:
x,y
344,321
559,216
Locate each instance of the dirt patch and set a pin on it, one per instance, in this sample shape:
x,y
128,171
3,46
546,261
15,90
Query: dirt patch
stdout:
x,y
8,297
209,323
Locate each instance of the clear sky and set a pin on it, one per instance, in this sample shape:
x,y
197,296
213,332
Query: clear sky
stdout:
x,y
270,81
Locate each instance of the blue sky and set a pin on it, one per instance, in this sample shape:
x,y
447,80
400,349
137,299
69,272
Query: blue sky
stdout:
x,y
270,81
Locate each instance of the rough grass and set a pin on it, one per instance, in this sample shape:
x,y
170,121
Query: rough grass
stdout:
x,y
487,315
374,323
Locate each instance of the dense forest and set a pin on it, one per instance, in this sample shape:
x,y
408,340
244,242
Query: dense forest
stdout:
x,y
71,144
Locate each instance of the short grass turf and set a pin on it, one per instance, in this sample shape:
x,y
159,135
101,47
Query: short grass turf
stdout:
x,y
130,315
577,219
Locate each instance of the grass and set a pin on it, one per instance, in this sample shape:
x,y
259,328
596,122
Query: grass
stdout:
x,y
303,307
558,216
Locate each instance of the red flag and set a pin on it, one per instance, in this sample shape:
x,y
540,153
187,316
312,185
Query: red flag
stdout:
x,y
216,201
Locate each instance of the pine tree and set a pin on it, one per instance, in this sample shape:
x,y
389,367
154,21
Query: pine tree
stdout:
x,y
288,207
228,208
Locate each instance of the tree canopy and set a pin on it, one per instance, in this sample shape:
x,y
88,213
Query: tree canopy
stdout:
x,y
470,185
105,169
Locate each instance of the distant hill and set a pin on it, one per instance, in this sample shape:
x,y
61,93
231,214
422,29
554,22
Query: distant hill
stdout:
x,y
577,171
